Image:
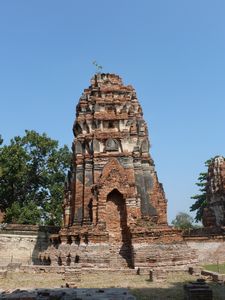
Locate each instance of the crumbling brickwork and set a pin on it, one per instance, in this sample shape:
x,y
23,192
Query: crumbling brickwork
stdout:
x,y
115,208
214,213
111,159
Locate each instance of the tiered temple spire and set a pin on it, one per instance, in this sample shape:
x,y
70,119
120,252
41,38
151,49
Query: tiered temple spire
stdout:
x,y
111,155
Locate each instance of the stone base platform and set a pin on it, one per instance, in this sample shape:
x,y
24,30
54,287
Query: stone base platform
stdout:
x,y
158,247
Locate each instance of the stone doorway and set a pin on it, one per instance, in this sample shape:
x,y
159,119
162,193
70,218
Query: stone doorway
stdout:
x,y
121,254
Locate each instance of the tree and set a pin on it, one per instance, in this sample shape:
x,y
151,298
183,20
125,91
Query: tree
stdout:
x,y
183,221
33,168
26,213
201,199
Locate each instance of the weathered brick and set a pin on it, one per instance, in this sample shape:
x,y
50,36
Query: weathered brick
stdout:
x,y
115,209
214,212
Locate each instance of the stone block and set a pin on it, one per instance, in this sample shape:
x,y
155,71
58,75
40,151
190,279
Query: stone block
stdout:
x,y
198,290
195,270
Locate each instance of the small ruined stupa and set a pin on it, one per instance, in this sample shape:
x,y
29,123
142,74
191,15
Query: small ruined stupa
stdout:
x,y
115,210
214,211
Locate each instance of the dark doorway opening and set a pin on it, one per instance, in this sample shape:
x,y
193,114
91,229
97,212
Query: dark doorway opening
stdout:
x,y
119,231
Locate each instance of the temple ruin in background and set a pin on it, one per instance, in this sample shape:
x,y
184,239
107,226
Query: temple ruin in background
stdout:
x,y
214,212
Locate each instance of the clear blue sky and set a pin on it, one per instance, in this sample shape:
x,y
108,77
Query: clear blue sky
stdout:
x,y
172,52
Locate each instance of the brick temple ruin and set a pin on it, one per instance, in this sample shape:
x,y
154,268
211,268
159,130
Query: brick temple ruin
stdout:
x,y
113,176
115,209
214,212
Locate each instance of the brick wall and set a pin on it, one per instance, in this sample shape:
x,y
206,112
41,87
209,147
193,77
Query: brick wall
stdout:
x,y
22,243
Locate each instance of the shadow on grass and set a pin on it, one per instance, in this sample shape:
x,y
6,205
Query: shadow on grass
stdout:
x,y
69,294
175,291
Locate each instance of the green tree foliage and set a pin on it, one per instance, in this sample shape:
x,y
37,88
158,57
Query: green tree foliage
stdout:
x,y
200,199
33,168
183,221
26,213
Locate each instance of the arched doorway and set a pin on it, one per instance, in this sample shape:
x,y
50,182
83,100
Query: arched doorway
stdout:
x,y
116,220
119,232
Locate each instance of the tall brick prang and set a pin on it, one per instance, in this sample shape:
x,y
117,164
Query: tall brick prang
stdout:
x,y
115,210
113,173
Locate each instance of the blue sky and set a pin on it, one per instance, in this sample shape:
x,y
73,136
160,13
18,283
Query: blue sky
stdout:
x,y
172,52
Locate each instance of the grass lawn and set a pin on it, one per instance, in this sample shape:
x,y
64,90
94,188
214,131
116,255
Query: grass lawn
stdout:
x,y
216,268
139,285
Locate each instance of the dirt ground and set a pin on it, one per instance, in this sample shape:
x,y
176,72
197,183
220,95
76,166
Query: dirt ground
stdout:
x,y
139,285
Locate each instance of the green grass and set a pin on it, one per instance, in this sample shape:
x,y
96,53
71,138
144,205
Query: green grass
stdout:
x,y
220,268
